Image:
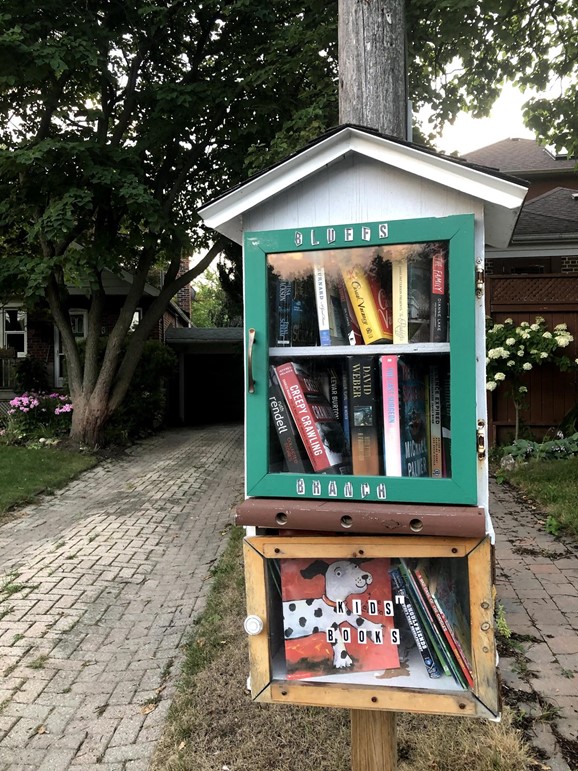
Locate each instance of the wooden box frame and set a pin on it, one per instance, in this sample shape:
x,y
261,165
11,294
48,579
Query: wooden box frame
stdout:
x,y
481,701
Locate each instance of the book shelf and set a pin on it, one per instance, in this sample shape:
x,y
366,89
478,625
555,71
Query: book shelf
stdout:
x,y
328,310
292,585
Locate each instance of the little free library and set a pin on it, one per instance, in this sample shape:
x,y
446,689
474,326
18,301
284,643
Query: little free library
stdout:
x,y
368,548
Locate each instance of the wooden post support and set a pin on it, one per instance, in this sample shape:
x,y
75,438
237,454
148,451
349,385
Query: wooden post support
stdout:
x,y
373,740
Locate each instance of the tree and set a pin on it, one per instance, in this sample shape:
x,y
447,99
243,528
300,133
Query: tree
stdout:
x,y
210,306
120,118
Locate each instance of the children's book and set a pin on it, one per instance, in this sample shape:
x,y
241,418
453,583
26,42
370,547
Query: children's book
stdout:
x,y
338,617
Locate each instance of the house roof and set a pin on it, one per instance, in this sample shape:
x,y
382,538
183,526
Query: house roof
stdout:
x,y
553,214
502,195
520,156
204,335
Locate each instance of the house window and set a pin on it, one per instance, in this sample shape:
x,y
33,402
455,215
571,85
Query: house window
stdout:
x,y
13,329
78,320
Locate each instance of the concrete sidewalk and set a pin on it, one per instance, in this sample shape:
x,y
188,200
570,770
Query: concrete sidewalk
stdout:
x,y
100,584
99,587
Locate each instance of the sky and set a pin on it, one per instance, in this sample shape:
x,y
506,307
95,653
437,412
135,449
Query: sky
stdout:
x,y
504,122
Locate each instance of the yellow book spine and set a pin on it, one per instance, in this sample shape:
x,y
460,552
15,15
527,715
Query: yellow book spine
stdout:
x,y
360,294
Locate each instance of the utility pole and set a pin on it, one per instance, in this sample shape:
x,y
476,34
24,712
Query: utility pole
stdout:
x,y
372,65
373,94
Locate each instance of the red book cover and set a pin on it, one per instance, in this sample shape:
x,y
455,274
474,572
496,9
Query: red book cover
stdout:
x,y
439,300
337,617
321,433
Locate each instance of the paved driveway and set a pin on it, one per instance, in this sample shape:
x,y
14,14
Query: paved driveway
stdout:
x,y
99,585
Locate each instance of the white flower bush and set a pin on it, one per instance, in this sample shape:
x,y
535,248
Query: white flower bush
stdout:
x,y
512,351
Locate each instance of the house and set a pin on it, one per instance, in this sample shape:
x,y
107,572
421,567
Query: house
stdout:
x,y
537,274
33,333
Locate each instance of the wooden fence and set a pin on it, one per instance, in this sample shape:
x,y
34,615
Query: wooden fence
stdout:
x,y
551,394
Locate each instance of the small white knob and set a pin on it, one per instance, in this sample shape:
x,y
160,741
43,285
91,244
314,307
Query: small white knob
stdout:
x,y
253,625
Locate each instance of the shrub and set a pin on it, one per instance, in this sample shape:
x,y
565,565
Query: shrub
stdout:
x,y
513,351
523,450
31,375
37,417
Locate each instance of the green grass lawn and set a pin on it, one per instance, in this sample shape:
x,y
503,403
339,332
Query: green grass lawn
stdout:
x,y
553,484
26,472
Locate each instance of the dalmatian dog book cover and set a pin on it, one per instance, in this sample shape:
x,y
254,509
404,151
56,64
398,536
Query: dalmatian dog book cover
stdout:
x,y
337,617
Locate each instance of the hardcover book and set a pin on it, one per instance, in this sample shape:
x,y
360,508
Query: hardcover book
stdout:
x,y
421,574
402,600
439,296
413,419
399,301
329,312
304,329
320,432
446,423
354,336
435,423
338,617
360,294
379,277
364,415
418,299
391,421
292,447
282,312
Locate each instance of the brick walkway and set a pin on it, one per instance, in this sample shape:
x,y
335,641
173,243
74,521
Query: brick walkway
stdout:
x,y
537,583
99,586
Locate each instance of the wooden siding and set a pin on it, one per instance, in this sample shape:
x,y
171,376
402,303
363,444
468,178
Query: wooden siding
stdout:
x,y
551,394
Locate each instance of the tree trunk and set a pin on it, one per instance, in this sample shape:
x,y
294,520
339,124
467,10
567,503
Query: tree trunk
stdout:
x,y
89,419
372,66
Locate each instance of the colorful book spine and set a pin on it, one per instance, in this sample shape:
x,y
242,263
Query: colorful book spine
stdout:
x,y
446,629
439,297
413,434
379,277
291,445
284,302
391,421
418,299
433,636
403,599
322,303
399,301
364,415
359,290
321,433
352,327
435,423
446,424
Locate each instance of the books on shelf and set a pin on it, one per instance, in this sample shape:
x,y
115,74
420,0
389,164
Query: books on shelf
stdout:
x,y
365,415
433,634
320,431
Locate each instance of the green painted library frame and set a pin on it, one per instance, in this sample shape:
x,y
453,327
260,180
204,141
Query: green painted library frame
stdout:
x,y
458,231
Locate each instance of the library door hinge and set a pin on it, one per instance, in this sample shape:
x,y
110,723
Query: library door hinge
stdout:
x,y
481,439
480,278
